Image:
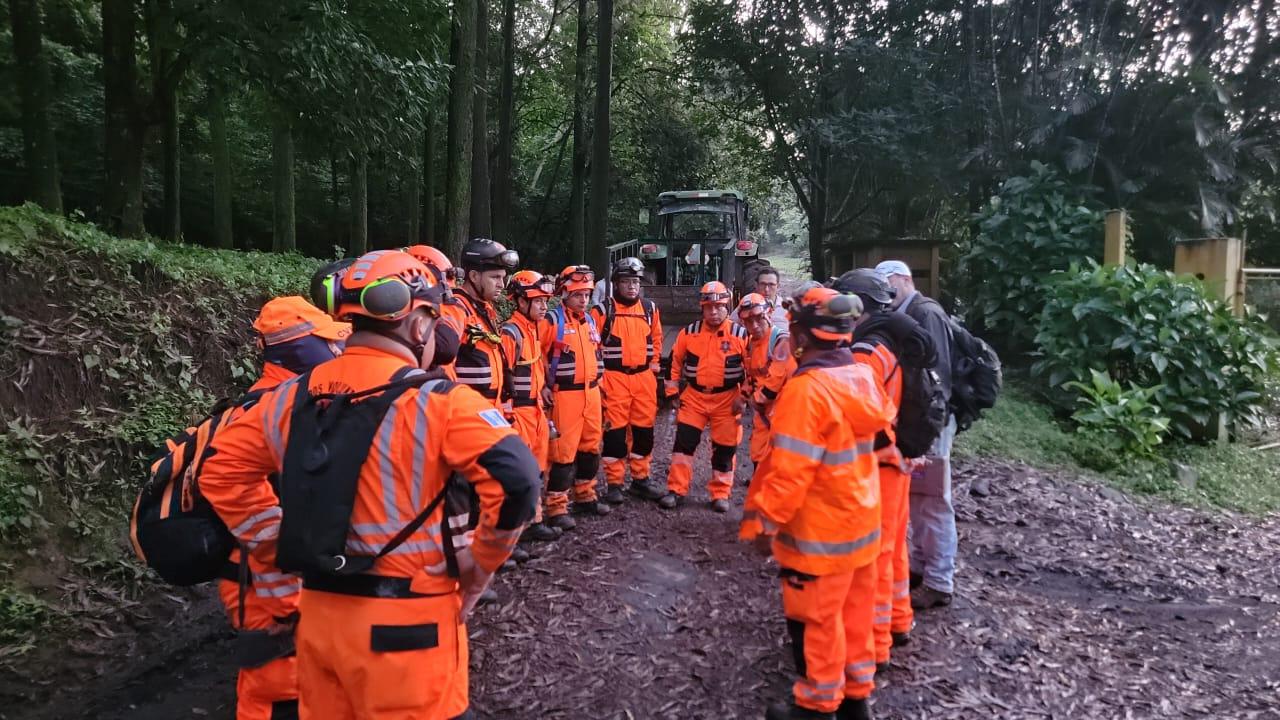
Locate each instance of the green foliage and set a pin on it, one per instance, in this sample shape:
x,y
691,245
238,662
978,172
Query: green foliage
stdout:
x,y
1037,224
20,497
1118,421
1148,328
22,618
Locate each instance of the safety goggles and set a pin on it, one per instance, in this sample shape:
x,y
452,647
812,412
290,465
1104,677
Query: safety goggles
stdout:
x,y
714,297
509,259
628,266
748,308
545,285
579,273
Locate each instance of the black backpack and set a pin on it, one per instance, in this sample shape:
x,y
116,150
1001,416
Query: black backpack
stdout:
x,y
976,376
922,415
610,309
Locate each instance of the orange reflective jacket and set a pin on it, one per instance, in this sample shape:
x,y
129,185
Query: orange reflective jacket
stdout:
x,y
573,353
710,360
425,436
819,491
769,365
454,316
527,369
632,338
876,355
480,362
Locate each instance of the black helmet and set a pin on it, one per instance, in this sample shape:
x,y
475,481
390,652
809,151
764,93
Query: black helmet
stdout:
x,y
627,267
867,284
485,254
321,292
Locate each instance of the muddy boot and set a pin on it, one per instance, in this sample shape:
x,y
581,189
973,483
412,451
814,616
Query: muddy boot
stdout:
x,y
916,580
520,555
926,598
645,490
594,507
563,523
614,495
721,506
488,596
901,638
539,532
882,668
851,709
787,711
508,565
670,501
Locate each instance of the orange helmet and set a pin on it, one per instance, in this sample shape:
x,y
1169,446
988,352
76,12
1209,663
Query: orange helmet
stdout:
x,y
434,259
752,304
576,277
714,293
826,314
530,284
384,285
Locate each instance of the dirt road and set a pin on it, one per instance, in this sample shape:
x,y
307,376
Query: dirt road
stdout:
x,y
1074,601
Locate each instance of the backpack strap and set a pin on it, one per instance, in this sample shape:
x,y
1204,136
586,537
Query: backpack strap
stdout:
x,y
557,349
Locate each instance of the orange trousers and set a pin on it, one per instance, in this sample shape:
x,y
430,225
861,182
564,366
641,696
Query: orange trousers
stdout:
x,y
381,658
260,690
630,411
697,411
829,619
530,424
760,435
893,570
577,415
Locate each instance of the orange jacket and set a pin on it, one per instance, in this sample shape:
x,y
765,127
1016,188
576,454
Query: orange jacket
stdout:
x,y
820,492
424,438
480,364
769,365
453,319
634,342
522,345
580,364
876,355
710,360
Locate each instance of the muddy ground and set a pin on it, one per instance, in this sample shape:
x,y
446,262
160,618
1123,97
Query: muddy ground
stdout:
x,y
1074,602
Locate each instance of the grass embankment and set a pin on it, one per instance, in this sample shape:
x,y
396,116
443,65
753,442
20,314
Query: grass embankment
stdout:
x,y
108,346
1019,428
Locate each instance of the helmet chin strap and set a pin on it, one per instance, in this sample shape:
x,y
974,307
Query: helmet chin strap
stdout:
x,y
417,349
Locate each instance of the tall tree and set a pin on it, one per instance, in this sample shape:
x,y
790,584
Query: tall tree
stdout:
x,y
413,205
358,244
503,201
221,152
39,141
166,72
481,217
125,127
284,237
429,160
598,217
578,180
457,201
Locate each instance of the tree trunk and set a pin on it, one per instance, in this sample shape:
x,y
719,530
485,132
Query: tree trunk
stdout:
x,y
481,217
429,182
221,151
461,87
598,217
164,92
359,205
39,141
336,221
577,183
818,218
503,200
284,237
413,207
125,128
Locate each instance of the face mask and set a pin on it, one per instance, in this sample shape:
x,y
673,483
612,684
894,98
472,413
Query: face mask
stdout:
x,y
299,356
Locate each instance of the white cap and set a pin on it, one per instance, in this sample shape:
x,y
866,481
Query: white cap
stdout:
x,y
893,267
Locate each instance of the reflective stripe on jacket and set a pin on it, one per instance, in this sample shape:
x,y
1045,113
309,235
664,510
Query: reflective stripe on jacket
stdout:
x,y
527,367
578,345
710,360
635,337
480,362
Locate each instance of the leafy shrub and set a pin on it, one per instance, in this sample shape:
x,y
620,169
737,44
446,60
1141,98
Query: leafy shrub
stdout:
x,y
22,618
1116,420
20,498
1037,224
1149,328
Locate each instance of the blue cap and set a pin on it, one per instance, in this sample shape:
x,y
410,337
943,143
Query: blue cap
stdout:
x,y
893,267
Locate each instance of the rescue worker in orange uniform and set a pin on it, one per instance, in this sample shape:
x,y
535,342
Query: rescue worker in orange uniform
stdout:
x,y
485,265
710,357
294,337
818,509
631,342
571,342
874,341
769,365
529,292
452,316
363,446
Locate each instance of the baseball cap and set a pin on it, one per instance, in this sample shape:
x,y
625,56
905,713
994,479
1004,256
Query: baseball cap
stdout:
x,y
290,317
893,267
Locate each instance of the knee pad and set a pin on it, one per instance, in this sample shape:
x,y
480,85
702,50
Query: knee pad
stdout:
x,y
560,478
588,465
615,443
687,439
722,457
641,440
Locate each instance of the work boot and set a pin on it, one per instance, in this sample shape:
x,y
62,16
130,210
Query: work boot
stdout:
x,y
787,711
539,532
901,638
563,523
520,555
851,709
614,495
720,505
882,668
488,596
645,490
670,501
927,598
916,580
508,565
593,507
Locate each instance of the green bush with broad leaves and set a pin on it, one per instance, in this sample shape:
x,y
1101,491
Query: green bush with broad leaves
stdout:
x,y
1147,328
1037,224
1117,421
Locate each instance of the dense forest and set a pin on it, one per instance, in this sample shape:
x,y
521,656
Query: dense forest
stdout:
x,y
331,126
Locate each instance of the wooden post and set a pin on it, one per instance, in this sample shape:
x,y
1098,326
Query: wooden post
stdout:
x,y
1216,261
1117,236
